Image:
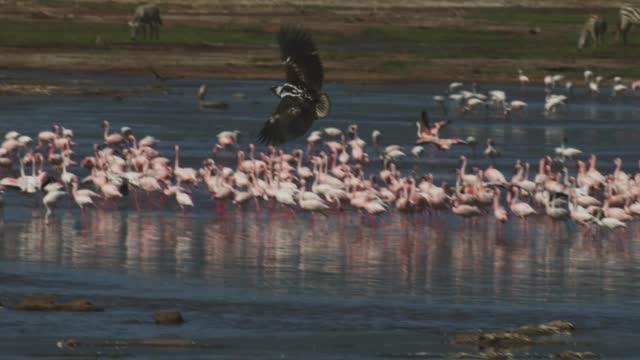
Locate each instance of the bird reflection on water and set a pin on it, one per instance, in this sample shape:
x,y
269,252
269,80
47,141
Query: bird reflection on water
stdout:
x,y
409,256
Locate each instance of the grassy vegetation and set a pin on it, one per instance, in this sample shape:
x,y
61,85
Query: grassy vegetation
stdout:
x,y
108,6
39,34
391,48
422,41
463,43
533,17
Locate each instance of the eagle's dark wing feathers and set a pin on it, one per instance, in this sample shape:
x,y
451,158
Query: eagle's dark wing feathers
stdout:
x,y
300,55
291,119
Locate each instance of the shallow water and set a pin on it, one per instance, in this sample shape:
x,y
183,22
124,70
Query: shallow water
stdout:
x,y
266,285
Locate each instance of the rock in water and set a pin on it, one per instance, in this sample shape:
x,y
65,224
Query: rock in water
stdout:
x,y
168,317
574,355
37,303
214,104
162,343
80,305
48,303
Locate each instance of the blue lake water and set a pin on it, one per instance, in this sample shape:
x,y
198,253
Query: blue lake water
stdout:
x,y
263,285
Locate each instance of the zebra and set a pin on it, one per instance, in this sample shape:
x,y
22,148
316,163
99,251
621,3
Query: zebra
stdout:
x,y
629,16
143,17
593,30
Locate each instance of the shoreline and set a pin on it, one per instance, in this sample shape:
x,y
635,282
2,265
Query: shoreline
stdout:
x,y
357,44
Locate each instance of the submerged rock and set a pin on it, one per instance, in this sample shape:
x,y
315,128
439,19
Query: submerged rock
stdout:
x,y
168,317
214,104
518,337
574,355
494,340
37,303
81,305
171,342
48,303
497,356
547,329
458,356
68,344
503,340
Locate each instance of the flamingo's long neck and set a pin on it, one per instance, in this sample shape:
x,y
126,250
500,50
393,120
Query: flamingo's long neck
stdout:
x,y
463,167
541,167
299,162
526,173
106,131
572,194
240,159
317,175
176,165
515,198
41,168
412,189
21,167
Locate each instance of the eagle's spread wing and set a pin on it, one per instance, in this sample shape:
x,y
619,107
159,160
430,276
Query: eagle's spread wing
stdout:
x,y
290,120
300,55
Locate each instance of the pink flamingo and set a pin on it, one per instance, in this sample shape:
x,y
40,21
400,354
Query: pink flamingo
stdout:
x,y
112,139
518,208
498,211
187,175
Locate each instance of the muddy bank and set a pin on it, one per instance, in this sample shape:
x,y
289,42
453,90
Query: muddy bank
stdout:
x,y
234,64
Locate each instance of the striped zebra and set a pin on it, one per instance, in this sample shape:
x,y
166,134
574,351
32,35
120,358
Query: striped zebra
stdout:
x,y
629,16
145,16
593,31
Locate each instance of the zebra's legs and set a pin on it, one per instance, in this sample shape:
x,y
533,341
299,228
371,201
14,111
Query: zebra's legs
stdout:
x,y
625,33
623,30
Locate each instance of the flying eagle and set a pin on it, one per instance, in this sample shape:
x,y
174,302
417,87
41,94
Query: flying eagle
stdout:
x,y
301,99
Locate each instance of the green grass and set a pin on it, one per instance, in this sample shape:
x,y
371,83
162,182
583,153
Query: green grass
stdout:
x,y
38,34
539,17
464,43
413,45
108,6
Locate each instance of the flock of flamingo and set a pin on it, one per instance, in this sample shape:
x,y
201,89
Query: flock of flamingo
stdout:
x,y
328,176
557,88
